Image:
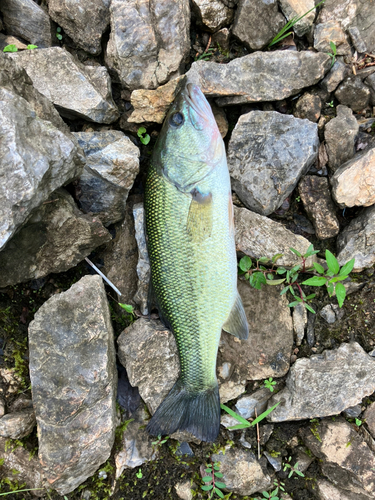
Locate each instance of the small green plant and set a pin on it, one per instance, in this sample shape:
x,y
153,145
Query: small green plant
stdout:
x,y
139,474
282,33
298,199
159,441
206,55
333,54
212,485
358,422
293,468
32,47
143,137
58,33
128,308
330,104
19,491
244,424
10,48
269,384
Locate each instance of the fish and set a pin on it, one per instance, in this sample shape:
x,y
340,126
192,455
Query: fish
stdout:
x,y
190,240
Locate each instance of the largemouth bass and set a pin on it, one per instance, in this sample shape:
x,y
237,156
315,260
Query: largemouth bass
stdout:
x,y
190,233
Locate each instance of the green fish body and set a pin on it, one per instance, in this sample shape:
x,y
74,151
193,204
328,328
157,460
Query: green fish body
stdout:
x,y
190,238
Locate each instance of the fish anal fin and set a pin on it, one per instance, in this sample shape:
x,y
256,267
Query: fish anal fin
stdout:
x,y
236,324
200,216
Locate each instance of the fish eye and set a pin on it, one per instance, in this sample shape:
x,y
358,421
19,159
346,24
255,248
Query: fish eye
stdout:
x,y
176,119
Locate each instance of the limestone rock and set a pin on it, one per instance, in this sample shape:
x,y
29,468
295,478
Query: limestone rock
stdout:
x,y
241,471
148,42
221,39
84,22
247,404
213,14
73,378
353,184
316,198
148,351
35,159
267,154
293,8
327,491
369,417
299,322
259,77
17,425
354,93
358,240
349,466
112,164
308,106
370,81
143,265
258,236
184,491
136,444
56,237
257,22
76,90
340,135
325,384
331,31
331,313
361,30
11,40
26,19
344,11
335,76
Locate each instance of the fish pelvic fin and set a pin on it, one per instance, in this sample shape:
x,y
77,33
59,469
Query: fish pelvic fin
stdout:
x,y
197,412
236,324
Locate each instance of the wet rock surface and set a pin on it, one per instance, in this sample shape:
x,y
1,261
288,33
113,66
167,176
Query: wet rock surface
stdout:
x,y
325,384
263,169
73,377
75,89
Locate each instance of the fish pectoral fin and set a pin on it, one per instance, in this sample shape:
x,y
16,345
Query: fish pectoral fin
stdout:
x,y
200,216
236,324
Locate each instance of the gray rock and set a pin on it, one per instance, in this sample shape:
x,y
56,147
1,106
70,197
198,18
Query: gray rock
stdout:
x,y
370,82
148,42
354,93
353,184
336,75
258,236
291,9
246,405
316,198
74,378
276,462
83,22
351,466
2,407
308,106
299,322
17,425
227,421
259,77
112,164
213,14
267,154
76,90
344,11
26,19
340,135
331,31
56,237
221,39
241,471
11,40
369,417
184,449
361,29
303,460
257,22
143,265
148,352
29,470
184,491
136,444
328,314
325,384
327,491
35,159
357,240
353,411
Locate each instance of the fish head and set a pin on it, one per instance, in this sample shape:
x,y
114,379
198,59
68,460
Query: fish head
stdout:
x,y
190,145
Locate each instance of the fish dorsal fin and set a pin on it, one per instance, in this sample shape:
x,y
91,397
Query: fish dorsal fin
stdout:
x,y
236,324
200,216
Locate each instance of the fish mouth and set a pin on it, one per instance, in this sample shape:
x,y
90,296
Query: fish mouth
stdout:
x,y
196,100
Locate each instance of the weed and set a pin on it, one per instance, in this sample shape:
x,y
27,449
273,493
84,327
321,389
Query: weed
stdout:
x,y
212,485
10,48
298,199
205,56
143,137
139,474
330,104
269,384
282,33
293,468
358,422
159,441
128,308
58,33
244,424
333,54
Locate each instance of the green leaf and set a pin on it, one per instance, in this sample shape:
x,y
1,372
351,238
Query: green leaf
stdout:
x,y
281,270
318,268
276,257
219,493
309,251
218,474
309,308
207,487
292,304
347,268
58,29
207,479
299,473
275,282
258,279
263,259
333,47
295,268
141,131
239,426
264,414
128,308
340,293
330,289
58,36
337,278
332,263
265,494
235,415
245,263
31,47
284,290
315,281
10,48
145,140
295,252
270,276
209,469
220,485
216,467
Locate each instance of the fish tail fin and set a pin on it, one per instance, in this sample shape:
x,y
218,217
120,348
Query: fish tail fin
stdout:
x,y
187,410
